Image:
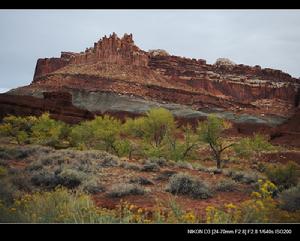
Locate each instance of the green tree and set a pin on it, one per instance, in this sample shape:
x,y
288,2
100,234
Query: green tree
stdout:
x,y
20,128
252,146
154,127
210,132
47,131
124,147
181,150
101,133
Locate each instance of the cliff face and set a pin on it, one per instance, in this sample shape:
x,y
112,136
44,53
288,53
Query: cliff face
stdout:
x,y
118,66
58,104
106,50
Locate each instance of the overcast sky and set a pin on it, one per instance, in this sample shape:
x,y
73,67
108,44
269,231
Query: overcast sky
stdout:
x,y
265,37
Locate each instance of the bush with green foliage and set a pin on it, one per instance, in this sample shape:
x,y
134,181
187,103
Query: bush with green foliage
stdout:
x,y
210,132
20,128
184,184
153,128
47,131
125,148
284,176
248,147
100,133
58,206
290,199
181,150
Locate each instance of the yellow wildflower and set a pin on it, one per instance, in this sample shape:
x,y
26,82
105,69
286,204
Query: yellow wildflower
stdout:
x,y
256,195
230,206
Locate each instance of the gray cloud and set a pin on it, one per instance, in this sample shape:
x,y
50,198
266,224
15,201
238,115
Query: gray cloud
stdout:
x,y
270,38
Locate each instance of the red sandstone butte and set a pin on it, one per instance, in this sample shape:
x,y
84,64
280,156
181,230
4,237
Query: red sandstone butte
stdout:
x,y
117,65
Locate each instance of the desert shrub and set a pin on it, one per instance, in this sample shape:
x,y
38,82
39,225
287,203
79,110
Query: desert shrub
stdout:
x,y
7,190
35,166
108,160
150,151
130,166
21,182
185,184
284,176
92,187
124,148
9,153
183,164
84,161
154,127
100,133
58,206
213,170
165,175
141,181
226,185
259,209
150,167
246,177
71,178
178,150
290,199
255,145
134,127
47,131
125,189
210,132
161,161
20,128
45,179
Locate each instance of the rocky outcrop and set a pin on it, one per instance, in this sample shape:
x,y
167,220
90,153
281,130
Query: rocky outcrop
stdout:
x,y
117,66
288,133
110,49
58,104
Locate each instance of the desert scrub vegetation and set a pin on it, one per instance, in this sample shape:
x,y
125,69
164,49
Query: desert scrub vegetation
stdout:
x,y
100,133
226,185
154,135
252,147
141,181
48,168
210,132
19,128
184,184
57,206
247,177
290,199
40,130
130,166
22,152
125,189
261,208
150,167
284,176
